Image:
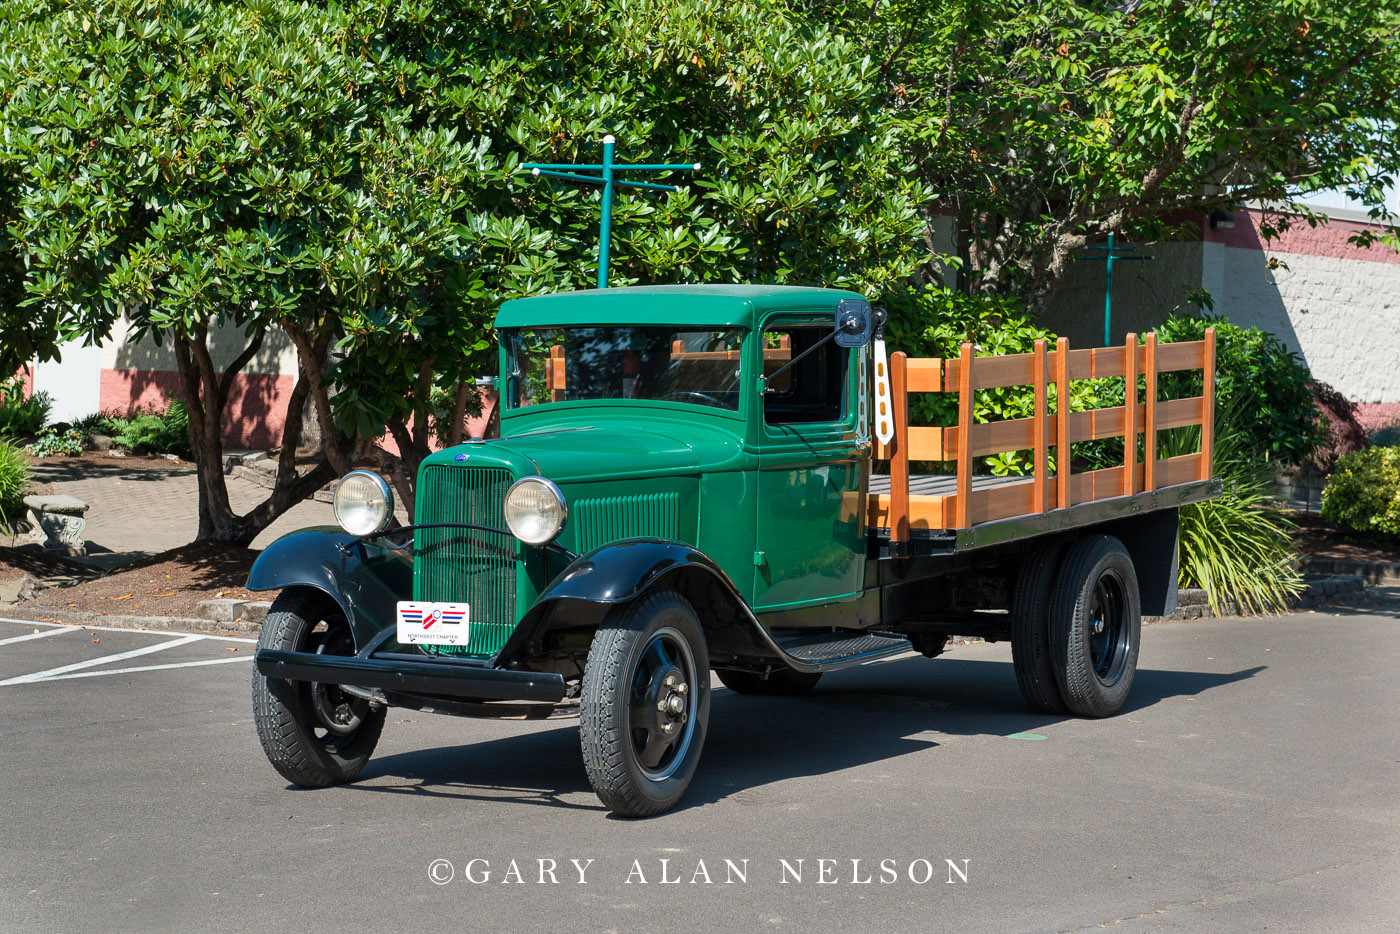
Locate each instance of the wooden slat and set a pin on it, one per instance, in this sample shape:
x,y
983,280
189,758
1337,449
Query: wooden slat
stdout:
x,y
1149,421
996,371
1178,413
554,373
899,463
1041,496
723,354
1130,416
1096,423
925,374
1062,448
1097,362
1208,409
1011,434
932,444
1097,484
1184,468
965,376
1185,355
925,512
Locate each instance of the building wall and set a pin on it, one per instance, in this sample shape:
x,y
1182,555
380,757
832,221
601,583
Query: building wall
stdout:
x,y
1332,302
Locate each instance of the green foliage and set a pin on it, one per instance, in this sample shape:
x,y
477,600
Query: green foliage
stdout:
x,y
154,432
353,168
1363,491
54,443
1238,547
1043,125
1386,436
21,417
14,484
936,322
1261,381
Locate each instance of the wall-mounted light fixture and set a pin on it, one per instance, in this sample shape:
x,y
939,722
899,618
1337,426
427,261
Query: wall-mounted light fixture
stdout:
x,y
1221,219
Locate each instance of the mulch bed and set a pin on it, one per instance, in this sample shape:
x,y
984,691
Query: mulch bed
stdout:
x,y
168,584
1322,539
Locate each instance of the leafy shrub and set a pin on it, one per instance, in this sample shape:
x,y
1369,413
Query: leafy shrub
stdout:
x,y
1237,547
1386,436
14,484
52,442
1363,491
21,417
101,423
1260,380
155,433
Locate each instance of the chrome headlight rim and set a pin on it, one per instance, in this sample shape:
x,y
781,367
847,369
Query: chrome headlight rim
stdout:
x,y
558,495
381,485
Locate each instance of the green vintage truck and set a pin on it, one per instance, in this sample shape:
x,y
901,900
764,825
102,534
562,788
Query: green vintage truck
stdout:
x,y
723,479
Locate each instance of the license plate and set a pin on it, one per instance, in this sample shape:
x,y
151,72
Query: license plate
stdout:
x,y
422,623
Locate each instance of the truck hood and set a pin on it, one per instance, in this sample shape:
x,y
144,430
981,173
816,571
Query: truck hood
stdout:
x,y
588,449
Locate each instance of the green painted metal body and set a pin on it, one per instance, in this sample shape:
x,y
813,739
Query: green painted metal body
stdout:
x,y
776,507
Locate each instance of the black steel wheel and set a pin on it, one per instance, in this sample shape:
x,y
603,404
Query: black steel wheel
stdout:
x,y
1095,626
1030,629
782,682
645,704
315,734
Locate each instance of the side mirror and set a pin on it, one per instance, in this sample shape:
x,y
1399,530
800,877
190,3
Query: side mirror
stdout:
x,y
853,322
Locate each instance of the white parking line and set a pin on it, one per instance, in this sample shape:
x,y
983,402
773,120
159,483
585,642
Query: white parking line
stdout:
x,y
93,662
154,632
123,671
35,635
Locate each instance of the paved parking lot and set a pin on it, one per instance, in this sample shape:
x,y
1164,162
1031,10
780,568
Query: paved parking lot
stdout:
x,y
1250,785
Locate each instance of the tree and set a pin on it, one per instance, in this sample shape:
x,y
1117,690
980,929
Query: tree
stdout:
x,y
350,175
1043,126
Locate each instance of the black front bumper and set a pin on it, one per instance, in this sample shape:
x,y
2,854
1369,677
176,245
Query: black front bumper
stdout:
x,y
413,674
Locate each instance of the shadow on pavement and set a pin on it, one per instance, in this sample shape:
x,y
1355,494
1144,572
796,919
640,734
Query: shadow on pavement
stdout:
x,y
854,718
62,470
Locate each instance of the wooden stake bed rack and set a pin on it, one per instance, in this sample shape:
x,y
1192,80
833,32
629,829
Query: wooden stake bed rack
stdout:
x,y
911,515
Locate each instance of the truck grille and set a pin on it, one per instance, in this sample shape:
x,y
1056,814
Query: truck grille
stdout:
x,y
606,519
465,565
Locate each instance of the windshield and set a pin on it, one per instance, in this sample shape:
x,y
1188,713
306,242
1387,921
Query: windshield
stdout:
x,y
700,367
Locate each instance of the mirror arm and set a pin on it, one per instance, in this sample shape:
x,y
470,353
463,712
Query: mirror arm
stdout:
x,y
762,383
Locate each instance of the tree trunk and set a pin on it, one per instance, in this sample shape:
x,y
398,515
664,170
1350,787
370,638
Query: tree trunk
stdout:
x,y
206,393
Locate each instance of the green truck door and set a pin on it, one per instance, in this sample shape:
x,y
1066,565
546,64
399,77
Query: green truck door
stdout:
x,y
810,545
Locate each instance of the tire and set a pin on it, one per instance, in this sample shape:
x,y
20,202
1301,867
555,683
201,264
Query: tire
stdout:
x,y
645,704
315,734
1030,629
781,682
1095,626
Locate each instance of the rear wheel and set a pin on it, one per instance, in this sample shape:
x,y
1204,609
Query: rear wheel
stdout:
x,y
315,734
645,704
1095,626
780,682
1030,629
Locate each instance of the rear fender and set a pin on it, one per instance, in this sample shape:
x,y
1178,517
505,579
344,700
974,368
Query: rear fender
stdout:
x,y
618,573
365,579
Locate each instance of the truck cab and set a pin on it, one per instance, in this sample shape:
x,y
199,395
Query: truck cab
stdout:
x,y
683,483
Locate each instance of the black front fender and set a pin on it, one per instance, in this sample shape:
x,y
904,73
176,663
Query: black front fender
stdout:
x,y
365,579
622,571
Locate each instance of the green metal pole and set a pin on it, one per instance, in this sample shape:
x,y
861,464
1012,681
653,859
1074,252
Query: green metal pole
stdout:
x,y
605,226
1107,295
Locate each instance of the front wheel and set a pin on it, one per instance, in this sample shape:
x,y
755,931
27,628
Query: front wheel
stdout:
x,y
315,734
645,704
1095,626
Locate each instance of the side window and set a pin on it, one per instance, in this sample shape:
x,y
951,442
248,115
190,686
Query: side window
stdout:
x,y
814,389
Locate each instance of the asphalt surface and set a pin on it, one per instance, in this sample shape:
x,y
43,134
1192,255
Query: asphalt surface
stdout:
x,y
1251,784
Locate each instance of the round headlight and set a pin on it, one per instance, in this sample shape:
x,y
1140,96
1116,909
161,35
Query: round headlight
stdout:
x,y
363,503
535,510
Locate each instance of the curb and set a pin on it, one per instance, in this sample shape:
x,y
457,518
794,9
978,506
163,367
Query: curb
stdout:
x,y
1372,572
1341,588
173,623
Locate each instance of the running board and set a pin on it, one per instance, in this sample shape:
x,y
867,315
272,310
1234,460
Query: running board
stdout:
x,y
828,651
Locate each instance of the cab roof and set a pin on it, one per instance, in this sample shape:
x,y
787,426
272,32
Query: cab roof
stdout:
x,y
701,305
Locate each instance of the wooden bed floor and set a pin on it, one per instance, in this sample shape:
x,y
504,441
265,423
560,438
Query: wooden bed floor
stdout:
x,y
938,484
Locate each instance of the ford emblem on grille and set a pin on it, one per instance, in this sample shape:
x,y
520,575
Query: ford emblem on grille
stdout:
x,y
459,458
